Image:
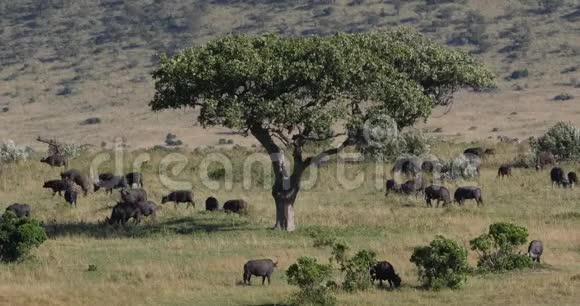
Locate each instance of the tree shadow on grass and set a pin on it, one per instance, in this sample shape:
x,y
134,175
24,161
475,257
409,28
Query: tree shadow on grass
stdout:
x,y
199,224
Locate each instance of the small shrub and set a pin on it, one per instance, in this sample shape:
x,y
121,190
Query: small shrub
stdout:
x,y
462,167
356,269
222,141
495,129
313,279
90,121
518,74
18,236
497,249
171,140
92,268
5,109
10,152
563,97
323,238
216,173
70,151
442,264
562,140
550,6
230,141
569,69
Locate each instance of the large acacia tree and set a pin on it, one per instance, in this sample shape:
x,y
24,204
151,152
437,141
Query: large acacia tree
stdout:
x,y
288,92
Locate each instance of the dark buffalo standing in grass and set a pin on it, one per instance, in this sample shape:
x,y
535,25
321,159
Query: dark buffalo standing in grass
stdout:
x,y
124,211
19,210
75,175
383,270
71,192
211,204
439,193
535,250
504,170
134,178
477,151
57,186
133,195
572,178
115,182
55,161
544,159
106,176
259,267
416,186
558,177
236,206
392,186
180,196
468,193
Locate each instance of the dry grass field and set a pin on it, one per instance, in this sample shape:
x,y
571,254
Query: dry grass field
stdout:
x,y
191,257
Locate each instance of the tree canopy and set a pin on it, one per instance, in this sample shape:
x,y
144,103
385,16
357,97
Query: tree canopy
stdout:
x,y
289,91
304,85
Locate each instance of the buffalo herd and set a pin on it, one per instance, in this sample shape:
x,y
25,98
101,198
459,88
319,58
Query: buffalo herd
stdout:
x,y
134,203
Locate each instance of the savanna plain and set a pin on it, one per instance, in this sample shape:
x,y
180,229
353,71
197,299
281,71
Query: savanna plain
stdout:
x,y
193,257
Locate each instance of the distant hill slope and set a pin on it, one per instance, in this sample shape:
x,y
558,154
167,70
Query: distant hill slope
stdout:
x,y
63,61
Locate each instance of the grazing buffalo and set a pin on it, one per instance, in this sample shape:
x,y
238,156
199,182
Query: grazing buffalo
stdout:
x,y
115,182
180,196
124,211
504,170
544,159
416,186
392,186
477,151
56,186
382,271
19,210
211,204
106,176
572,178
259,267
55,161
465,193
133,195
134,178
236,206
75,175
558,177
535,250
409,167
71,192
148,208
438,193
427,166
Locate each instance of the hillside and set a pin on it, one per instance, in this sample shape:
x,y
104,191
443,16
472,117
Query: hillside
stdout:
x,y
62,62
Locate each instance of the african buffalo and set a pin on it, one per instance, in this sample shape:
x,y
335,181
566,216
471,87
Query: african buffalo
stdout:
x,y
259,267
180,196
465,193
383,270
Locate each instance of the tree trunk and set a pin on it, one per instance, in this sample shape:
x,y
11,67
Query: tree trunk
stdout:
x,y
285,200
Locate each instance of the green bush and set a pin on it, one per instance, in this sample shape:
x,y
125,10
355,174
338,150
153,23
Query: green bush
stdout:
x,y
442,264
18,236
383,142
563,140
356,269
313,280
10,152
497,249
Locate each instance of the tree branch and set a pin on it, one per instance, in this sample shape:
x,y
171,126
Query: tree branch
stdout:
x,y
308,161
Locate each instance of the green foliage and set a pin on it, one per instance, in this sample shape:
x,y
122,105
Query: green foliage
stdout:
x,y
305,85
18,236
356,269
312,278
10,152
497,249
216,173
394,145
461,167
563,140
442,264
